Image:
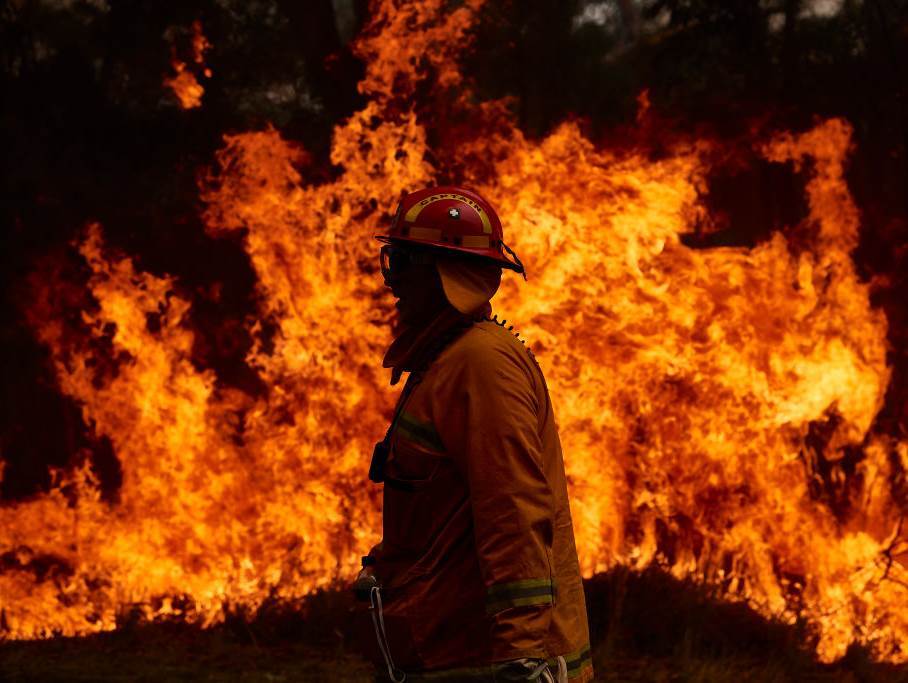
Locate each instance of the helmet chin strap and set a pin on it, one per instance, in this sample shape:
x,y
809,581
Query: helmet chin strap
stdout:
x,y
523,270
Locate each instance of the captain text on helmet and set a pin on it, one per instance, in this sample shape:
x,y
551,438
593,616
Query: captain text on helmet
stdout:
x,y
476,577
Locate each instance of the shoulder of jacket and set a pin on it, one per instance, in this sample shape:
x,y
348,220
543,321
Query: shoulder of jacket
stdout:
x,y
488,342
507,335
482,338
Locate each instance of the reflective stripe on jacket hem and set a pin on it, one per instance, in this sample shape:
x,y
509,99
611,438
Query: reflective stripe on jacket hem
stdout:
x,y
576,661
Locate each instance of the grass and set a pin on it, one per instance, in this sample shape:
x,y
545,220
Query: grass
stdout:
x,y
644,627
649,626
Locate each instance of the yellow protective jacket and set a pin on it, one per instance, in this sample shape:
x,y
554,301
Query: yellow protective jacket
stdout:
x,y
477,560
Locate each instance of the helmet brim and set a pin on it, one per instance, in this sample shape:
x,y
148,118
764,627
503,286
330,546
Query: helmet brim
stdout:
x,y
446,248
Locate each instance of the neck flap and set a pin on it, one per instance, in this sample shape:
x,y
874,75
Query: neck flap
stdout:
x,y
416,347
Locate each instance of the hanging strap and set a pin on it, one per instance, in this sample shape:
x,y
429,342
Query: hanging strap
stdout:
x,y
378,621
523,270
562,670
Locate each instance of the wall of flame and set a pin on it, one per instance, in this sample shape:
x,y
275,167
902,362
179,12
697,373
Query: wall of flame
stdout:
x,y
686,381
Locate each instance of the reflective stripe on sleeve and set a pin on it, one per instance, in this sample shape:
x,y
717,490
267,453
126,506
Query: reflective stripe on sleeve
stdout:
x,y
519,594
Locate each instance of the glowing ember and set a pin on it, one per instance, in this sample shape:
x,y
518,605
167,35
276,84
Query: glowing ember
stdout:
x,y
688,383
184,83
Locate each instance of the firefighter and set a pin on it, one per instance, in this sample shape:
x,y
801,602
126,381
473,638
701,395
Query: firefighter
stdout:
x,y
476,577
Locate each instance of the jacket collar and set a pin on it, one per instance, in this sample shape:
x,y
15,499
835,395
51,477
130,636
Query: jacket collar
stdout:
x,y
415,347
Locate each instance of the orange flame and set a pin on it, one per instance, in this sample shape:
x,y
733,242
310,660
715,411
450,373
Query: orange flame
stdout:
x,y
184,83
686,381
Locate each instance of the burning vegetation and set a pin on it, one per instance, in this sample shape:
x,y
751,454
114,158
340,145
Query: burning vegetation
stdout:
x,y
731,409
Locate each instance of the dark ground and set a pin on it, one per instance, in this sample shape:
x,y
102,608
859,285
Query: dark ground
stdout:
x,y
644,627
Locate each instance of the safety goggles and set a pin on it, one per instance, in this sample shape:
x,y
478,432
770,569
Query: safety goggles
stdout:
x,y
395,260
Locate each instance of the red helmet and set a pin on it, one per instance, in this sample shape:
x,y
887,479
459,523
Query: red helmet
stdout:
x,y
451,218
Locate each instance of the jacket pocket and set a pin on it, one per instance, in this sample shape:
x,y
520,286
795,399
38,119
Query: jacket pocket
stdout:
x,y
417,495
410,520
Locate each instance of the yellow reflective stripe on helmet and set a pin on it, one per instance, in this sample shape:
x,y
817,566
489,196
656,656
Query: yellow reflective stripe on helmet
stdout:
x,y
519,594
417,208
